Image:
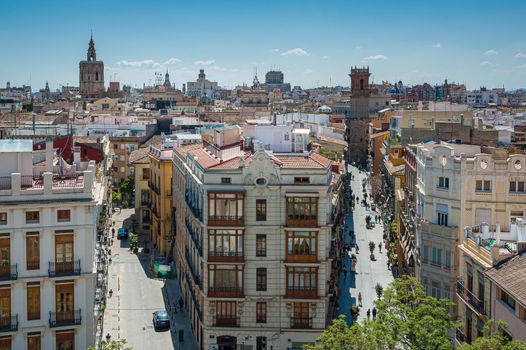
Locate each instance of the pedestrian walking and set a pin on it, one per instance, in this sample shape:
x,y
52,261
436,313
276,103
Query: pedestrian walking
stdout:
x,y
360,298
181,303
368,314
374,313
380,247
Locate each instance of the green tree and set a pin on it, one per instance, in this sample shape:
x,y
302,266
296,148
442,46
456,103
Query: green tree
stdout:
x,y
379,290
112,345
494,339
126,186
406,319
116,196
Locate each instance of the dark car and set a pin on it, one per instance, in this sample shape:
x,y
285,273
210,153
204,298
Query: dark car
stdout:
x,y
122,233
161,320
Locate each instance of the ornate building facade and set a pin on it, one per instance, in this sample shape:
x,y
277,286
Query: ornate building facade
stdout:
x,y
91,74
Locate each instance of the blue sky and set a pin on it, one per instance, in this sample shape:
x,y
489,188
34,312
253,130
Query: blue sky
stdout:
x,y
479,43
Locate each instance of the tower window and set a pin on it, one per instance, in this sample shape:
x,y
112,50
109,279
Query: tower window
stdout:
x,y
361,84
97,76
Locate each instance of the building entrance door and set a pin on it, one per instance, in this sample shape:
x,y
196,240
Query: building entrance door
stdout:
x,y
226,342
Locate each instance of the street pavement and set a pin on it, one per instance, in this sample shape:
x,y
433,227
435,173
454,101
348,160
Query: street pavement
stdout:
x,y
368,272
136,295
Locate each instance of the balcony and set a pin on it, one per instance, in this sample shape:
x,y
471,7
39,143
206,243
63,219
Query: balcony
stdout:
x,y
471,300
459,336
198,213
226,220
198,241
301,322
193,269
306,292
301,222
8,324
225,256
8,272
225,292
65,318
66,268
301,258
226,321
145,201
197,304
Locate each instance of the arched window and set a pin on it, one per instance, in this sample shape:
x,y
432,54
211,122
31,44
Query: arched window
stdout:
x,y
361,84
96,76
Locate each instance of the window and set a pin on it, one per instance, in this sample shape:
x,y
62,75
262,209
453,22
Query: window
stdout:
x,y
226,180
483,186
448,259
145,173
5,256
261,210
302,245
517,186
64,253
425,254
435,289
32,217
225,206
3,218
261,343
65,340
5,343
115,146
225,243
443,182
507,299
437,257
261,279
226,313
5,302
447,292
514,215
225,279
302,211
32,251
261,245
33,341
33,301
301,180
261,312
442,219
64,215
302,281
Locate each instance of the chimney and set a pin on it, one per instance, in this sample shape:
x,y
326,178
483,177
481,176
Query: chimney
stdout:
x,y
49,156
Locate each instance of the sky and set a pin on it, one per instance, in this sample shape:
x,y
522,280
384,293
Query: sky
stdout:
x,y
314,43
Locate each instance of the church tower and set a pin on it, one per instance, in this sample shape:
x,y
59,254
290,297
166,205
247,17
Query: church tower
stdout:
x,y
357,123
167,83
91,74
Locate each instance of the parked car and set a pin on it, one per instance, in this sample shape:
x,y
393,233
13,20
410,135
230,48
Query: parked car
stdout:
x,y
161,320
122,233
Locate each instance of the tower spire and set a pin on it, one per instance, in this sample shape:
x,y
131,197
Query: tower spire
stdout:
x,y
92,55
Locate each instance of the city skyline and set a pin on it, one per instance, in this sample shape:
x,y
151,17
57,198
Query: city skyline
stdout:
x,y
415,44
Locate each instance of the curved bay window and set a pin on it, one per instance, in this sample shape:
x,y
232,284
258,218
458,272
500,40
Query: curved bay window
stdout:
x,y
302,211
302,282
225,245
225,209
225,281
302,246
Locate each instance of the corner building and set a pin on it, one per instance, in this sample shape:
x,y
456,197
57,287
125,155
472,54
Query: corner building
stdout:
x,y
253,240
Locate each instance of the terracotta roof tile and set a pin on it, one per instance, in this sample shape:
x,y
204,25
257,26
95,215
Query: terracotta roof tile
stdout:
x,y
183,150
139,156
313,161
510,276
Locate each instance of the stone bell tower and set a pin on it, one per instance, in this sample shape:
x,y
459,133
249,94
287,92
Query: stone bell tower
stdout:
x,y
91,74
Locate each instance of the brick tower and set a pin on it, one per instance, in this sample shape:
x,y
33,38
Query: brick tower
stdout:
x,y
91,74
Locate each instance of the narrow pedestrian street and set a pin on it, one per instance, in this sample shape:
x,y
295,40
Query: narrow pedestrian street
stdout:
x,y
368,272
136,295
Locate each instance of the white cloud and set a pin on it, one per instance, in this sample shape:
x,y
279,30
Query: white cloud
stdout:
x,y
488,64
138,64
325,57
375,58
520,55
275,50
490,52
172,60
436,46
204,62
223,69
308,71
295,52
